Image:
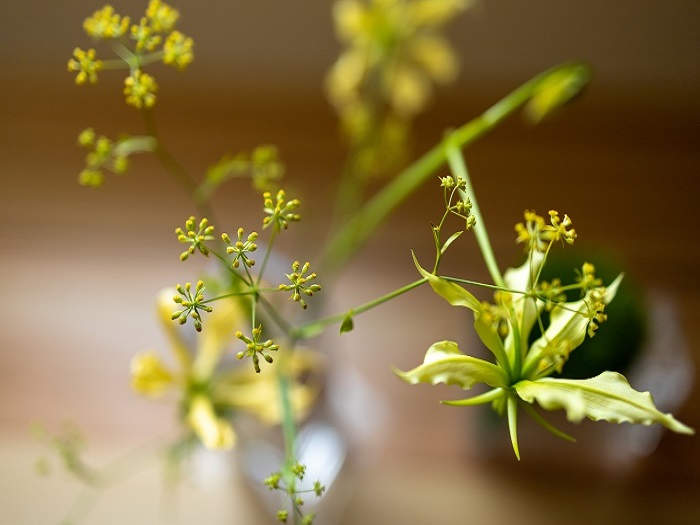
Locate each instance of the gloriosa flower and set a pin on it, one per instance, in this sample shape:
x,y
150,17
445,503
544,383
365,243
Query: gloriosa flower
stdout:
x,y
209,393
520,374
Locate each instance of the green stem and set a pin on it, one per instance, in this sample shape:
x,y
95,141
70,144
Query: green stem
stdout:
x,y
459,169
356,231
313,328
289,432
175,169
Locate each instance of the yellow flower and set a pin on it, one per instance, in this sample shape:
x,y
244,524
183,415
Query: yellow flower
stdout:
x,y
140,89
393,54
144,36
209,394
85,63
177,50
149,375
395,42
162,17
213,431
105,23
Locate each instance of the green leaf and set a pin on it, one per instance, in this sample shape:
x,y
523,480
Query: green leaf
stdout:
x,y
347,325
445,363
556,90
451,292
607,396
449,241
458,296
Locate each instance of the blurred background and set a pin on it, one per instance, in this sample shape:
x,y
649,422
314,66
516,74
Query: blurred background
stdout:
x,y
81,267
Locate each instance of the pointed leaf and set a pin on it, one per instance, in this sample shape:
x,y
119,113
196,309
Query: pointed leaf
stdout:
x,y
449,241
458,296
607,396
348,324
445,363
451,292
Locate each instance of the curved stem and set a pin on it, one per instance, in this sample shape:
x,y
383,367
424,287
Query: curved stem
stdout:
x,y
313,328
175,169
356,231
459,169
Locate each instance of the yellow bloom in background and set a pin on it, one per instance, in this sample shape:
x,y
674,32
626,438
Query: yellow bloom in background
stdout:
x,y
213,431
209,391
177,50
394,52
150,376
105,23
162,17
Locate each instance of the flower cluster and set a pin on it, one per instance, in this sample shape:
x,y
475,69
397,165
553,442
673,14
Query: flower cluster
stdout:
x,y
394,51
195,236
191,304
299,283
241,248
297,471
210,395
153,38
280,212
256,348
106,154
140,89
86,65
536,234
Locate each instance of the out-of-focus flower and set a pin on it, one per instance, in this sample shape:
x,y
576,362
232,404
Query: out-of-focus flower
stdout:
x,y
210,393
105,23
85,63
177,50
394,52
140,89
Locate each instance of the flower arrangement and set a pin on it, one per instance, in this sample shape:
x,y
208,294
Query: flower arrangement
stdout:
x,y
394,51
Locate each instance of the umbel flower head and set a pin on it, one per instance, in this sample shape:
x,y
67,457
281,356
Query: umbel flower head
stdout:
x,y
210,393
519,374
153,38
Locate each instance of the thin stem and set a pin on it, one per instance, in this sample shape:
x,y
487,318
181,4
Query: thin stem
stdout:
x,y
546,424
175,169
268,252
355,232
482,285
313,328
459,169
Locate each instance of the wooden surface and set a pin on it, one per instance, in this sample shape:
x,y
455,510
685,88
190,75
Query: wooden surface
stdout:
x,y
82,267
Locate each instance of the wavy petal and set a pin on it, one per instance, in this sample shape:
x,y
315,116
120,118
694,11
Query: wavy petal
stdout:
x,y
607,396
445,363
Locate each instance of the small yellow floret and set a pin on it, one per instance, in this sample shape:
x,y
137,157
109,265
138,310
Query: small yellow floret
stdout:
x,y
140,90
85,63
105,23
162,17
177,50
144,36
